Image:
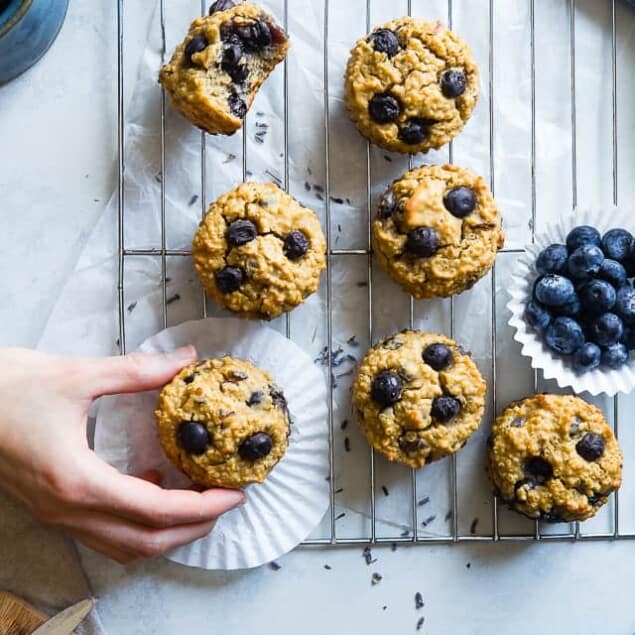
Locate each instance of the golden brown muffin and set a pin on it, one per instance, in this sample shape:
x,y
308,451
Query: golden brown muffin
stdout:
x,y
437,230
223,422
418,397
554,458
258,252
215,73
411,85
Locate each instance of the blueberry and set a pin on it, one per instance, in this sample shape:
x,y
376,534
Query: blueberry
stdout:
x,y
552,259
221,5
628,338
229,279
255,398
277,397
295,245
564,336
255,447
539,469
586,358
585,261
570,309
384,108
437,356
615,356
537,316
625,304
613,272
241,232
237,106
583,235
197,44
231,61
386,389
606,329
460,201
617,243
416,130
385,41
598,296
255,35
387,206
453,83
591,446
193,437
554,290
445,408
422,241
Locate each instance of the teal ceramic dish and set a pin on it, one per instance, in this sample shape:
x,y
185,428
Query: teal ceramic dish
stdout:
x,y
27,30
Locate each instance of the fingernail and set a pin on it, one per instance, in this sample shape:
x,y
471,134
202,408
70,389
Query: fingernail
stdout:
x,y
235,497
184,354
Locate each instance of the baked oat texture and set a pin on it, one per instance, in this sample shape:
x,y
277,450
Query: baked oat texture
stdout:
x,y
408,431
554,458
407,59
466,247
231,52
274,247
234,401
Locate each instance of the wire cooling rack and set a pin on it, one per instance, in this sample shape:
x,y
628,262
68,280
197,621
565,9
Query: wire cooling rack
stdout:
x,y
377,526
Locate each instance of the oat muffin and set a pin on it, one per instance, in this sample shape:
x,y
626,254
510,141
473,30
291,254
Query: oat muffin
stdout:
x,y
418,397
258,252
437,230
223,422
554,458
214,74
411,85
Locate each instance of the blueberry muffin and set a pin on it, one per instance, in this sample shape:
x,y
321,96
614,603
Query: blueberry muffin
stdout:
x,y
411,85
223,422
437,230
258,252
215,72
554,458
418,397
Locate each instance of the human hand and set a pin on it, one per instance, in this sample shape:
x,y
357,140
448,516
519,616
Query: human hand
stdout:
x,y
45,461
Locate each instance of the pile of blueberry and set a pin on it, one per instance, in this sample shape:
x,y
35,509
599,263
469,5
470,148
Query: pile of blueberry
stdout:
x,y
583,303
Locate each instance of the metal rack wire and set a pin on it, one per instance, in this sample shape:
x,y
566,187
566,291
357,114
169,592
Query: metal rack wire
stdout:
x,y
162,252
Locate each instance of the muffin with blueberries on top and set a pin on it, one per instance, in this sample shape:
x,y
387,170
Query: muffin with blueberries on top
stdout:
x,y
223,422
411,85
214,74
554,458
437,230
258,252
418,397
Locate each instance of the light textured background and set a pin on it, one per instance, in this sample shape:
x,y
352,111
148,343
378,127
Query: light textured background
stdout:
x,y
57,145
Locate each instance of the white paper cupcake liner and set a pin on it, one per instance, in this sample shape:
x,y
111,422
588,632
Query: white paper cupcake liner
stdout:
x,y
598,381
279,513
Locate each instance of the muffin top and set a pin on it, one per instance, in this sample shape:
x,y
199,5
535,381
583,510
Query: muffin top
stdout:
x,y
411,85
418,397
553,457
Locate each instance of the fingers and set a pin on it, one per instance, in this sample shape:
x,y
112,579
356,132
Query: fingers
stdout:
x,y
131,373
124,540
118,555
142,501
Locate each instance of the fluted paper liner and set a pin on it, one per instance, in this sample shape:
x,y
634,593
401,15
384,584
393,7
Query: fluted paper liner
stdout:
x,y
601,380
279,513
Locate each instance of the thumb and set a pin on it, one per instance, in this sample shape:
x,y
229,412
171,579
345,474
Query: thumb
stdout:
x,y
135,372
